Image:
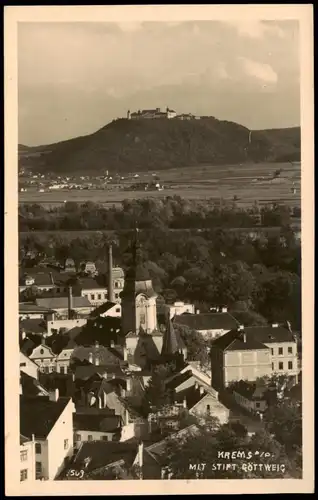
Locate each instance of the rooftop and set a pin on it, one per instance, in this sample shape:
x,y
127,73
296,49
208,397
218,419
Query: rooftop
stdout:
x,y
98,423
33,325
207,321
62,302
234,341
47,413
250,390
30,307
31,386
98,454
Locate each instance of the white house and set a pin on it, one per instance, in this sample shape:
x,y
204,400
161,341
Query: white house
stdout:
x,y
49,421
179,308
210,325
44,357
27,459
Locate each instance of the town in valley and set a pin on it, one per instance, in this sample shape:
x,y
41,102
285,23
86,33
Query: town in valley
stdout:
x,y
160,282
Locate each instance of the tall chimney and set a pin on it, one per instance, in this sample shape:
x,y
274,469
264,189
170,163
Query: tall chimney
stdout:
x,y
110,274
70,302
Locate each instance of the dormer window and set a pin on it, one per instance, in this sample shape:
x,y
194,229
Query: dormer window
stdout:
x,y
29,280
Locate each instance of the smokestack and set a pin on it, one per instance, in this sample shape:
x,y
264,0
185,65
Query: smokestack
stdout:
x,y
110,274
70,302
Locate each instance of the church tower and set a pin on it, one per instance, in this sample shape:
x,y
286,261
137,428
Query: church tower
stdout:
x,y
138,298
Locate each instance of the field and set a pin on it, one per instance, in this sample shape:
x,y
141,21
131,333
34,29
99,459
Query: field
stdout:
x,y
244,183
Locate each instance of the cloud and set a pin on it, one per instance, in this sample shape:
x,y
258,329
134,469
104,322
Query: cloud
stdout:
x,y
257,29
259,70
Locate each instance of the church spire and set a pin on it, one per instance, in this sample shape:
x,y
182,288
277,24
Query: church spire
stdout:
x,y
170,342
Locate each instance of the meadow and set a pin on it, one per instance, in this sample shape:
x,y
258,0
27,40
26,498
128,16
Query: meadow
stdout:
x,y
243,183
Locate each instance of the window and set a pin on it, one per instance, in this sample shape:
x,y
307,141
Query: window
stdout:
x,y
90,437
24,455
116,284
93,296
38,449
24,475
46,369
62,370
290,350
272,352
78,437
104,438
280,351
65,444
38,469
99,296
41,351
290,365
116,295
22,364
117,309
142,319
273,366
257,405
208,409
281,366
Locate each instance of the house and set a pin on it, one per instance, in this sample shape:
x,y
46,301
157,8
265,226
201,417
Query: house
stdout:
x,y
95,293
33,326
283,345
179,308
250,396
29,310
210,325
64,325
44,357
88,427
27,462
89,268
117,279
39,278
28,366
151,114
69,266
157,450
49,421
63,359
60,305
236,356
108,309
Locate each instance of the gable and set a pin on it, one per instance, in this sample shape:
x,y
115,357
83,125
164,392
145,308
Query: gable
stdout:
x,y
42,352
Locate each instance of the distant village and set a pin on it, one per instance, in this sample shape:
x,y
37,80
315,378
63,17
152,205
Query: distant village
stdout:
x,y
87,353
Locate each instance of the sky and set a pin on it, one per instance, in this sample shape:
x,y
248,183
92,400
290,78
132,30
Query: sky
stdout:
x,y
74,78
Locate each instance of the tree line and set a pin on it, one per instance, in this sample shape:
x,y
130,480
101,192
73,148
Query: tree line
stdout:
x,y
171,212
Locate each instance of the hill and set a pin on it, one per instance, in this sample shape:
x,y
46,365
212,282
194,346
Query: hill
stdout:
x,y
127,145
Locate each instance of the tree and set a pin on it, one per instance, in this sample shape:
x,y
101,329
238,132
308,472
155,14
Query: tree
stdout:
x,y
220,445
30,294
156,395
284,421
197,346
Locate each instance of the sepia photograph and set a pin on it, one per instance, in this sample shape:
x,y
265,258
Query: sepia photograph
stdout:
x,y
159,234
